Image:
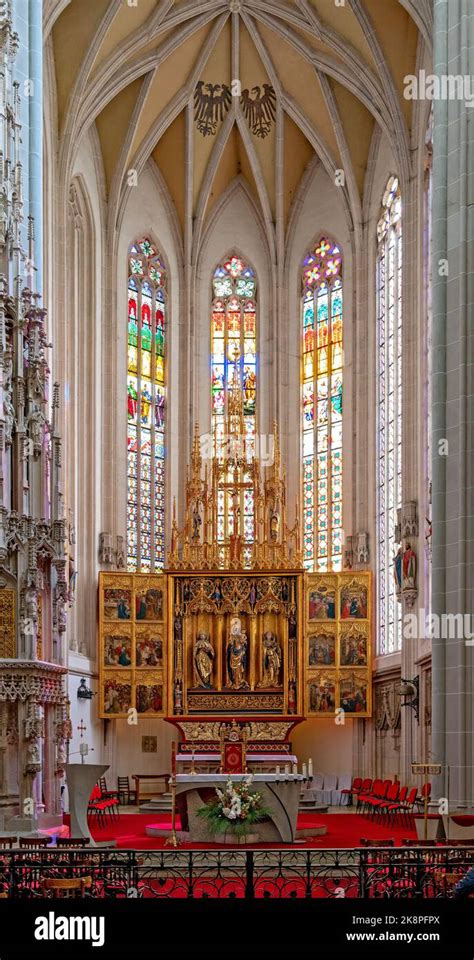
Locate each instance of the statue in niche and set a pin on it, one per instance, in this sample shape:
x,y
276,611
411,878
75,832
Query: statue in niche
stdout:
x,y
203,657
237,655
197,520
178,698
274,522
253,596
36,422
10,420
397,569
409,568
271,660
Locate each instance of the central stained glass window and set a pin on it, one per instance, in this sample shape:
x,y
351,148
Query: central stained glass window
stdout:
x,y
322,407
234,368
146,399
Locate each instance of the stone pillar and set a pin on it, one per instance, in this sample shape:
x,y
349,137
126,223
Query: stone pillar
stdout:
x,y
452,399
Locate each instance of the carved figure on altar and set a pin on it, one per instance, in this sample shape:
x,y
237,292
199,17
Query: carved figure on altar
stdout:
x,y
253,596
197,520
271,660
203,661
409,568
274,522
237,655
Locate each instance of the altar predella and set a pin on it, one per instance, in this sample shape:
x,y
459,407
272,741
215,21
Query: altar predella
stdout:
x,y
231,628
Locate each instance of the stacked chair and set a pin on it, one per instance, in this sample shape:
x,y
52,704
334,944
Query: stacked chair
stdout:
x,y
101,804
387,797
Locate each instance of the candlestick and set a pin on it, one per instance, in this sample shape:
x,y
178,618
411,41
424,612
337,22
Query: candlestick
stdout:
x,y
310,767
305,771
172,840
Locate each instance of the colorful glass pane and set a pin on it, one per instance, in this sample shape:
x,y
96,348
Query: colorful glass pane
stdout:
x,y
234,359
146,407
322,420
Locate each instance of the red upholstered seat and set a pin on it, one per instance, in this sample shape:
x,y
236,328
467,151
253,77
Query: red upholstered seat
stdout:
x,y
378,794
355,787
100,804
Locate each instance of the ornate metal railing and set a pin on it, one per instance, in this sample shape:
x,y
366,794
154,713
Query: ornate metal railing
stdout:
x,y
370,872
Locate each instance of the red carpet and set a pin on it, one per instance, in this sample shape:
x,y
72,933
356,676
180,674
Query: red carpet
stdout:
x,y
344,830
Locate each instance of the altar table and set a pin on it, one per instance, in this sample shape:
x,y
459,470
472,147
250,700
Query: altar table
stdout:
x,y
280,794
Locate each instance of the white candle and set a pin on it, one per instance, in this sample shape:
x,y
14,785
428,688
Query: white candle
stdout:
x,y
310,767
278,769
295,768
305,771
287,768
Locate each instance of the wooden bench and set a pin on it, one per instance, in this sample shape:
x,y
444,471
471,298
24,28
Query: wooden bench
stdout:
x,y
143,792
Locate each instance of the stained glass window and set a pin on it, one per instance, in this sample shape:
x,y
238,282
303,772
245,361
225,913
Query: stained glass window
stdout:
x,y
322,407
234,366
389,411
146,400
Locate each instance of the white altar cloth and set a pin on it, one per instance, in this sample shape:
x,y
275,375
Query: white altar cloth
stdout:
x,y
277,758
237,777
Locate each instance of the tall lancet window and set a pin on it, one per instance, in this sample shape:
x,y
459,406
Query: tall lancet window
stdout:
x,y
234,368
146,397
322,407
389,411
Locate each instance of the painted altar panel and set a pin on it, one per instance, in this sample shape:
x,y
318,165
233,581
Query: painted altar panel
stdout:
x,y
338,644
243,644
237,644
132,644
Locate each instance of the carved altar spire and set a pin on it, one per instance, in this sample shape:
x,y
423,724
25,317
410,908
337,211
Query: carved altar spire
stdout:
x,y
217,533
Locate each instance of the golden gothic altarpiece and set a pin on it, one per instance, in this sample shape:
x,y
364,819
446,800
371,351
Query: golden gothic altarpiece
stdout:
x,y
234,627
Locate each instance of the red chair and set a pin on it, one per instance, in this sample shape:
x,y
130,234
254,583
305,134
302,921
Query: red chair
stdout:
x,y
406,808
100,805
365,795
380,806
355,788
392,807
409,842
379,792
425,794
367,842
373,802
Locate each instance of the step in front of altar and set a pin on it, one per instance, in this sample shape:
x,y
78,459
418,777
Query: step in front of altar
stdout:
x,y
163,830
158,804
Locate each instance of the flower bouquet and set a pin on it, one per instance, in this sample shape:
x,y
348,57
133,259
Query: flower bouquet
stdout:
x,y
235,809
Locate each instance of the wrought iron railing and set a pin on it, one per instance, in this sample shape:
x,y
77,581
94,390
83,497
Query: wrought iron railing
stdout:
x,y
246,874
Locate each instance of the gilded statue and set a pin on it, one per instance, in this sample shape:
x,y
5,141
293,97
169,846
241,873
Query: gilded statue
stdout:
x,y
203,657
271,660
237,655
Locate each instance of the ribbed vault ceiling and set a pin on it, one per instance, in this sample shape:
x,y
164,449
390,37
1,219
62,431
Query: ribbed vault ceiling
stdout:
x,y
336,72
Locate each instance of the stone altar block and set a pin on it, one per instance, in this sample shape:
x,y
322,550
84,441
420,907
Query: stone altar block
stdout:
x,y
280,794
